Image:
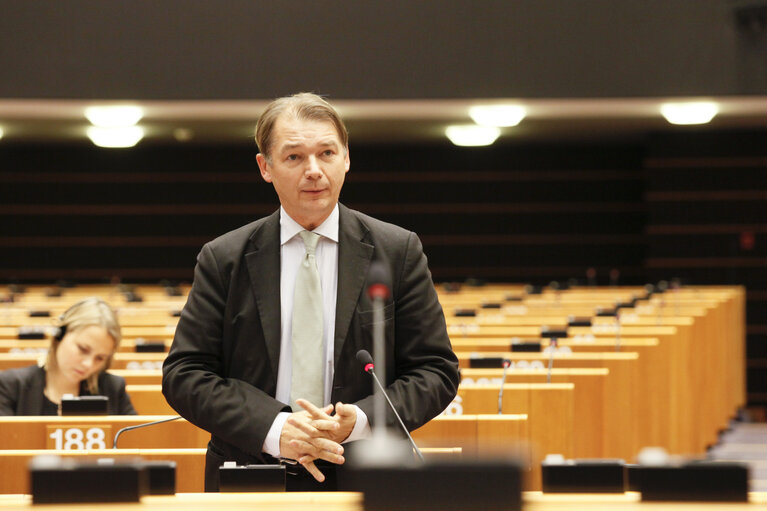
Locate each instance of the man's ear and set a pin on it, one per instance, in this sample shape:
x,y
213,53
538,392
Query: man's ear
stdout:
x,y
263,166
347,160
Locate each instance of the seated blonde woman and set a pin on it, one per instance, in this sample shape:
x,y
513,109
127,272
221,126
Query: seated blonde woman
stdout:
x,y
79,355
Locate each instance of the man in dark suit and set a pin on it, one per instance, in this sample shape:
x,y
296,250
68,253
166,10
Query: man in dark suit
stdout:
x,y
230,368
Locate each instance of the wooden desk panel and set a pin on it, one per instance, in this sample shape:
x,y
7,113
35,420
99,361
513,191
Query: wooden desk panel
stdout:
x,y
621,393
474,434
32,432
152,361
148,400
353,501
594,434
190,465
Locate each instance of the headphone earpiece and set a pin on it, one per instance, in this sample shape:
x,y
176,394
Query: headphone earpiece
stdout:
x,y
60,332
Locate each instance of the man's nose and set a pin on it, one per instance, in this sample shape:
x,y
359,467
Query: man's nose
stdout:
x,y
313,170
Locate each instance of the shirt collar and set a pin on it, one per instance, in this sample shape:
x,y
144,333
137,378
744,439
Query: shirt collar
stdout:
x,y
289,228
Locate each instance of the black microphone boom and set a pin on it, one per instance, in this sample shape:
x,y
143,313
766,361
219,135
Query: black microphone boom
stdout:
x,y
364,357
137,426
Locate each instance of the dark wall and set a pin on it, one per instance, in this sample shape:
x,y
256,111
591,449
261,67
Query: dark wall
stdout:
x,y
510,212
707,223
243,49
690,206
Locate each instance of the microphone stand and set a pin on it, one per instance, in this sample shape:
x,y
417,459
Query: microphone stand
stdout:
x,y
506,364
385,434
137,426
379,369
384,449
552,349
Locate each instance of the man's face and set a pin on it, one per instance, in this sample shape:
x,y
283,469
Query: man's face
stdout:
x,y
307,166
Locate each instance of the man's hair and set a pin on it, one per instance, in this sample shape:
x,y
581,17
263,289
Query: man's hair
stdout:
x,y
303,106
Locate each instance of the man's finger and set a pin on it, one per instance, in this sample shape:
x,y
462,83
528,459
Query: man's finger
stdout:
x,y
305,427
318,447
313,470
326,425
330,452
315,412
345,410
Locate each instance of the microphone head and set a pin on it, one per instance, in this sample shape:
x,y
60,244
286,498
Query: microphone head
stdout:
x,y
379,280
364,358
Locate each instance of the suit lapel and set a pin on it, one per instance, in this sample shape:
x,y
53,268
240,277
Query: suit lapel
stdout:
x,y
355,250
264,270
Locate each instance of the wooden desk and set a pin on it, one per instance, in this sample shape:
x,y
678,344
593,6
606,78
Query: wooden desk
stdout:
x,y
621,392
151,361
148,400
190,464
31,346
596,433
473,434
550,417
353,501
35,432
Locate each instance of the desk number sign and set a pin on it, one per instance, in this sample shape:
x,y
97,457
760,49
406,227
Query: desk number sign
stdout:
x,y
78,437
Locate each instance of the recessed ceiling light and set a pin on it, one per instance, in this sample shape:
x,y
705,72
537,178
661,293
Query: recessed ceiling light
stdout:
x,y
699,112
472,135
183,134
110,116
497,115
127,136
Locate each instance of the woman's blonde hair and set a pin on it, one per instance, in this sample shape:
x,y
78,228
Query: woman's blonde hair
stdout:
x,y
88,312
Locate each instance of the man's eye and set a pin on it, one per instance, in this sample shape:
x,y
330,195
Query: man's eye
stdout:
x,y
328,152
292,157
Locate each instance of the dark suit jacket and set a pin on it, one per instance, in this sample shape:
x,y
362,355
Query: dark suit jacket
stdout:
x,y
21,392
221,371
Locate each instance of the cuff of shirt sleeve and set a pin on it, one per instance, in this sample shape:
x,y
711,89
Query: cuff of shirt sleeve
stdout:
x,y
361,427
272,442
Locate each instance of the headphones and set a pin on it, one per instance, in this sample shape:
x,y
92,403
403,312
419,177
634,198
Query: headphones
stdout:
x,y
60,332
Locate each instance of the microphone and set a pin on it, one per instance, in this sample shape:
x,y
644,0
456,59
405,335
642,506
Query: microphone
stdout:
x,y
379,290
552,348
366,360
506,364
379,281
137,426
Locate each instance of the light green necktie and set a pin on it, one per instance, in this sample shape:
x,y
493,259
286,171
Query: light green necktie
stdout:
x,y
308,359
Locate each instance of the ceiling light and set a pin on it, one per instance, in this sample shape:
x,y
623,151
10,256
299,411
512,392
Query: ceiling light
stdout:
x,y
497,115
699,112
1,132
472,135
127,136
183,134
110,116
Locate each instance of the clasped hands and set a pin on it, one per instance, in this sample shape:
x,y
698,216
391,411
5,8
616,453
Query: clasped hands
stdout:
x,y
313,433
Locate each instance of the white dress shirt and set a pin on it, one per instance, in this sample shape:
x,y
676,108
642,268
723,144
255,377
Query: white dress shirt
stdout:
x,y
292,252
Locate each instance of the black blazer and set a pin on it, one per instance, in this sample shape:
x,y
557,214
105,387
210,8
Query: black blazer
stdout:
x,y
21,392
221,371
